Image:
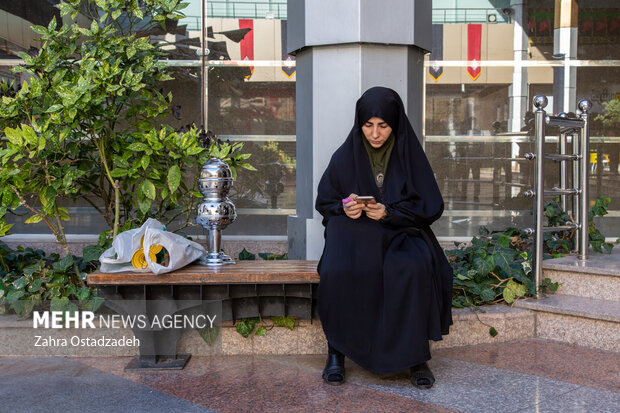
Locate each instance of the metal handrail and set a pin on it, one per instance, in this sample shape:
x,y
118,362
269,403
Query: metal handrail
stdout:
x,y
578,130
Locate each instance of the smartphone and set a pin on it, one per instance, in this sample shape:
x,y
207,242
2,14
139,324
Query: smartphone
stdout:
x,y
366,200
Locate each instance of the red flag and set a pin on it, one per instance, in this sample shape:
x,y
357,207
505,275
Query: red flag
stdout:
x,y
247,44
474,34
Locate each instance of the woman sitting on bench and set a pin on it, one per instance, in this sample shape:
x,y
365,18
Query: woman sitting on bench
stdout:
x,y
386,285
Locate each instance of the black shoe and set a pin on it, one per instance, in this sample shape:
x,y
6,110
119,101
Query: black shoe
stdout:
x,y
333,373
422,377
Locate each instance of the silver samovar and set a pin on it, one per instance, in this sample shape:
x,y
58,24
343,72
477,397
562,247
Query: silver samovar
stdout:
x,y
216,212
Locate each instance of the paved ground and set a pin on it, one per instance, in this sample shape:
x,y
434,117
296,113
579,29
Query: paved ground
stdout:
x,y
521,376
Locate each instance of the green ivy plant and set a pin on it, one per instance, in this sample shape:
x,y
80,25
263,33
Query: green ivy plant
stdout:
x,y
247,326
494,268
29,278
497,266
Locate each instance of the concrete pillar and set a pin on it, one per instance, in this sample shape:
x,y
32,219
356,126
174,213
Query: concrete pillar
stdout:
x,y
517,93
343,48
565,46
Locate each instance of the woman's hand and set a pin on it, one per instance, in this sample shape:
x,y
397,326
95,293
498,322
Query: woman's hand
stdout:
x,y
351,208
375,211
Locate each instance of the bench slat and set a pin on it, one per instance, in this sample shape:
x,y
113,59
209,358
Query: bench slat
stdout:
x,y
244,272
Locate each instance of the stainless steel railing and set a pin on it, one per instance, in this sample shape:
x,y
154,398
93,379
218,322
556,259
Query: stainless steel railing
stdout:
x,y
578,131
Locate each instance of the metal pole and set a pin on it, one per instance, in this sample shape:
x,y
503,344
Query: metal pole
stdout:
x,y
575,139
540,102
563,169
204,73
584,106
215,240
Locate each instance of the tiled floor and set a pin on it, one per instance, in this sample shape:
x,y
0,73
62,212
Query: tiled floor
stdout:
x,y
520,376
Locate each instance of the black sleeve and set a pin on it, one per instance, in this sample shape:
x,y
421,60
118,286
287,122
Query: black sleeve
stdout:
x,y
329,195
409,213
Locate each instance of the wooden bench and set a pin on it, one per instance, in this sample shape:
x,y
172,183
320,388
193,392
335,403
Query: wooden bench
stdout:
x,y
246,289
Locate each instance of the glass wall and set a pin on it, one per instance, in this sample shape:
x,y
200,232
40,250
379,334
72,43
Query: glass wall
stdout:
x,y
477,136
479,86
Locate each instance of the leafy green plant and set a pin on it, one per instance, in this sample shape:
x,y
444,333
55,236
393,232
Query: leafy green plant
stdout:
x,y
288,322
245,255
597,240
29,278
611,119
493,269
88,123
497,266
548,287
247,326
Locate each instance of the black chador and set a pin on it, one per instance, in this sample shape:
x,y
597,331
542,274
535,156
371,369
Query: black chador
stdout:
x,y
386,285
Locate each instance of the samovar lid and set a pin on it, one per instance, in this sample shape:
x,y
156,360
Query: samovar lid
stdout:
x,y
215,168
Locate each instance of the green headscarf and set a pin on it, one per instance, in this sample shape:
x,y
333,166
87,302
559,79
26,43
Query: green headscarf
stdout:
x,y
379,158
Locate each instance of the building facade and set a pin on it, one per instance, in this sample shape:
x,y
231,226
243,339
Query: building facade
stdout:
x,y
488,59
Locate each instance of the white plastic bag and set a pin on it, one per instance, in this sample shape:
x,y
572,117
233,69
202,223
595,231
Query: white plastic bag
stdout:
x,y
181,250
118,258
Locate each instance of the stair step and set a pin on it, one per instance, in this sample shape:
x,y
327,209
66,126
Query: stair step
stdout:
x,y
601,264
581,321
597,278
576,306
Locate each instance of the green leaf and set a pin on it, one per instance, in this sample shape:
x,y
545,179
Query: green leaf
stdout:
x,y
484,266
261,331
29,135
47,196
174,178
54,108
208,334
33,219
13,136
35,286
148,189
119,172
487,294
20,283
504,240
63,264
288,322
59,304
503,257
39,29
131,51
83,293
246,326
144,204
14,295
273,256
92,253
93,303
145,161
246,255
513,290
138,147
65,8
492,332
